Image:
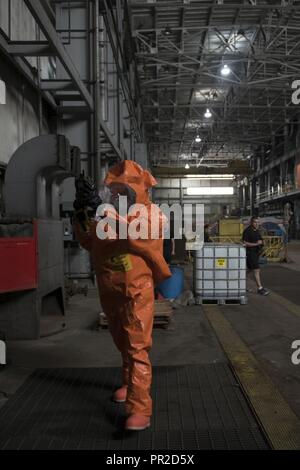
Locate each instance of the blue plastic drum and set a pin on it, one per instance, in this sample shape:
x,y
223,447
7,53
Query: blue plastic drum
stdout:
x,y
173,286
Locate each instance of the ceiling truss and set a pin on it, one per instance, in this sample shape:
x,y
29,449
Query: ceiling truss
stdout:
x,y
180,48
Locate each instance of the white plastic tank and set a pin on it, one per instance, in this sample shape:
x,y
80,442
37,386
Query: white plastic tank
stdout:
x,y
220,271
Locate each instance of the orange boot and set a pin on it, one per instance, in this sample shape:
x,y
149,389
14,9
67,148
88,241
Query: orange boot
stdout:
x,y
120,395
137,423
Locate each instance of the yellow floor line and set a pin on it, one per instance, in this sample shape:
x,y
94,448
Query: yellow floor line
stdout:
x,y
279,422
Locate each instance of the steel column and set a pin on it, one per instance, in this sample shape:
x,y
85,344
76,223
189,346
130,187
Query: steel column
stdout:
x,y
97,155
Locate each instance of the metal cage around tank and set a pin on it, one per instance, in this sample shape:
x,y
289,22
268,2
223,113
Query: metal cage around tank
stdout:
x,y
220,272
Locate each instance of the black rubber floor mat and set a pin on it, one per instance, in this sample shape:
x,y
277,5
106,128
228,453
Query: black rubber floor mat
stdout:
x,y
195,407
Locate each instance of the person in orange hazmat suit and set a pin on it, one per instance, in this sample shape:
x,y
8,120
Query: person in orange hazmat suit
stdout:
x,y
127,270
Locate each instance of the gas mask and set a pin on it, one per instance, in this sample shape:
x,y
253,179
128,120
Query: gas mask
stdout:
x,y
119,195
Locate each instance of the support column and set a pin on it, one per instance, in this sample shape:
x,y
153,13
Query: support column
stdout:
x,y
96,58
251,196
297,218
286,142
119,87
268,176
243,199
180,191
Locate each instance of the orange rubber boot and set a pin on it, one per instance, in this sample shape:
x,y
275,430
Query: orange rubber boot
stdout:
x,y
120,395
137,423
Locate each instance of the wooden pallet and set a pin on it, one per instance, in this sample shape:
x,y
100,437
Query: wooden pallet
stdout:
x,y
235,301
163,313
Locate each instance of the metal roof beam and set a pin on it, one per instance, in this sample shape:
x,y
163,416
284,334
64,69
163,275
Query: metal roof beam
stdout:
x,y
201,46
216,106
49,10
30,49
39,13
218,6
181,41
213,26
58,85
24,68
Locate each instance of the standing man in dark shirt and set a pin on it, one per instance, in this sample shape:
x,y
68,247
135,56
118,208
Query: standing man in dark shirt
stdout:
x,y
253,242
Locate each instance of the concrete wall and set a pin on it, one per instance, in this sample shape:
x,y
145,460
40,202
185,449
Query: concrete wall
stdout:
x,y
21,25
19,117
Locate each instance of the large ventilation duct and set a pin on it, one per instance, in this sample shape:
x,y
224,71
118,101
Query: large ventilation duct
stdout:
x,y
33,174
31,238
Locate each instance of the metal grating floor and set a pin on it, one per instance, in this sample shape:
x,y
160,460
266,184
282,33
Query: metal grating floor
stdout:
x,y
195,407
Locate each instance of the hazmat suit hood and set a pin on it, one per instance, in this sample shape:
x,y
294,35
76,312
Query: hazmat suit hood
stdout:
x,y
133,175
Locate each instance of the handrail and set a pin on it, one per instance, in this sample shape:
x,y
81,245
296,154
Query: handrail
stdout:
x,y
271,249
288,188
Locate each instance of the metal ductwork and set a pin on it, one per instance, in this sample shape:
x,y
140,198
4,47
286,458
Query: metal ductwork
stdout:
x,y
35,172
32,299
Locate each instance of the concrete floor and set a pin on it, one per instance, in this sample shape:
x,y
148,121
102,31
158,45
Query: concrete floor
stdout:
x,y
267,328
294,255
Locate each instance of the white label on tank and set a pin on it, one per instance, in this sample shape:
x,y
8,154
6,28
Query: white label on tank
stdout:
x,y
221,263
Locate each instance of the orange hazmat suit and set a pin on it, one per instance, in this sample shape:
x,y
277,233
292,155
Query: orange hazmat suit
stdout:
x,y
127,270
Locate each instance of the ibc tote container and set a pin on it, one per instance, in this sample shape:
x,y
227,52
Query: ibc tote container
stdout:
x,y
220,272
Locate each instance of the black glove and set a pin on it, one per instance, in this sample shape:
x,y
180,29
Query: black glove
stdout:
x,y
81,216
86,194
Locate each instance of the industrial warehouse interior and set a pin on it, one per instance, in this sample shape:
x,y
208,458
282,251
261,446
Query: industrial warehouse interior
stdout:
x,y
188,338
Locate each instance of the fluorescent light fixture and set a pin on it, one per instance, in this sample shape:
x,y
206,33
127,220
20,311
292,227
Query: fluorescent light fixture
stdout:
x,y
211,177
187,166
210,191
225,70
2,92
198,139
208,114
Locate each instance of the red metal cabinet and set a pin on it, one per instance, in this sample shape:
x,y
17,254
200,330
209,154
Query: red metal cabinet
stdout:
x,y
19,263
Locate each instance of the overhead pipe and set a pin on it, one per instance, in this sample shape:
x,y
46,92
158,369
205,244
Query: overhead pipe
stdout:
x,y
90,39
102,69
97,97
111,26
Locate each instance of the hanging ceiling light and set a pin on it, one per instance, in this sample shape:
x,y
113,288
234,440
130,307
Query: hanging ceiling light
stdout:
x,y
198,139
225,70
208,114
187,166
167,31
